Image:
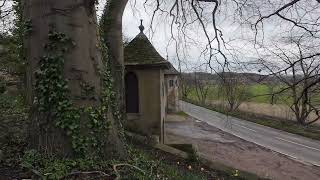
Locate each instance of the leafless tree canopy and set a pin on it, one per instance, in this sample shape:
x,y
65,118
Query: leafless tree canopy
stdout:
x,y
7,15
284,35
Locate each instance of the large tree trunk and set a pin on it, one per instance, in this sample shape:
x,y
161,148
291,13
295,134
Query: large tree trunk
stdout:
x,y
77,20
112,33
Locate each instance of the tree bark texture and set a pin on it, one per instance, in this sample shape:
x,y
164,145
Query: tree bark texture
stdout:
x,y
83,64
112,34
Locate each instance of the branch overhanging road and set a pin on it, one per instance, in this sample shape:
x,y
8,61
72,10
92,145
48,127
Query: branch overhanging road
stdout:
x,y
297,147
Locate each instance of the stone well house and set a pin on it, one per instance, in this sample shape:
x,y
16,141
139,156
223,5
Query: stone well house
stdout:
x,y
171,77
145,83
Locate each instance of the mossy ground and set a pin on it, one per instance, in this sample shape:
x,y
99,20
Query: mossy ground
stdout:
x,y
181,113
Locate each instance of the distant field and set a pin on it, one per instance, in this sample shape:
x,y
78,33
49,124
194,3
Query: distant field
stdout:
x,y
256,116
257,93
257,103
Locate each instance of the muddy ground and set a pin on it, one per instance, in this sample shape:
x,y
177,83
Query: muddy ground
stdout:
x,y
235,152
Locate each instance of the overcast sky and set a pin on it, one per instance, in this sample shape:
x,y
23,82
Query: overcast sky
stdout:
x,y
161,36
237,36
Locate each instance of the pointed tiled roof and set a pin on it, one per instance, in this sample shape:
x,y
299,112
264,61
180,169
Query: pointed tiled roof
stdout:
x,y
171,70
140,51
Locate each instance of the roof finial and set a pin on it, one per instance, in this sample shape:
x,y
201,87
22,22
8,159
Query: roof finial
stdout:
x,y
141,27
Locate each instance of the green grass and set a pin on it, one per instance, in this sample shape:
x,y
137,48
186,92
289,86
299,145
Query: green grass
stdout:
x,y
257,93
310,131
144,162
181,113
213,93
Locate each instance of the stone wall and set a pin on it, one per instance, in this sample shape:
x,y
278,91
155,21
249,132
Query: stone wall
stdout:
x,y
148,120
172,93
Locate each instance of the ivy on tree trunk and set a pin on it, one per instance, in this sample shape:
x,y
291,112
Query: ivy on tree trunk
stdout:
x,y
67,87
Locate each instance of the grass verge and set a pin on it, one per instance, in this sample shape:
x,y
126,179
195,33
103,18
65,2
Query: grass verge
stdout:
x,y
181,113
310,131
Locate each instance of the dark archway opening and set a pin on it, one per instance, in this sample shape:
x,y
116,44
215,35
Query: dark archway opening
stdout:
x,y
132,93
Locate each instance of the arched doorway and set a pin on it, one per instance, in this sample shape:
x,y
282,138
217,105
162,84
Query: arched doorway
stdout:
x,y
132,93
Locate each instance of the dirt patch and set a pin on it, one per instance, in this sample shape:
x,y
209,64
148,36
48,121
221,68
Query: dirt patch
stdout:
x,y
235,152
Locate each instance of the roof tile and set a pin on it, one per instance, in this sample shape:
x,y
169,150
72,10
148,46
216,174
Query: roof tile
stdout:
x,y
140,51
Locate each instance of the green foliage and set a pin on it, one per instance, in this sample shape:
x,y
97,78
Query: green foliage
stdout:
x,y
109,97
193,156
108,82
52,97
150,167
10,105
51,87
55,168
13,121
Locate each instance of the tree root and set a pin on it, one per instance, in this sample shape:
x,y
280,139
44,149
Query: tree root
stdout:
x,y
132,166
102,174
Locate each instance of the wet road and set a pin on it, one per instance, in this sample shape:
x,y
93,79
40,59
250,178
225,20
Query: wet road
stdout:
x,y
297,147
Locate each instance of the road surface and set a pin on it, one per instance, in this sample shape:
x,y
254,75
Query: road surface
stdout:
x,y
297,147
